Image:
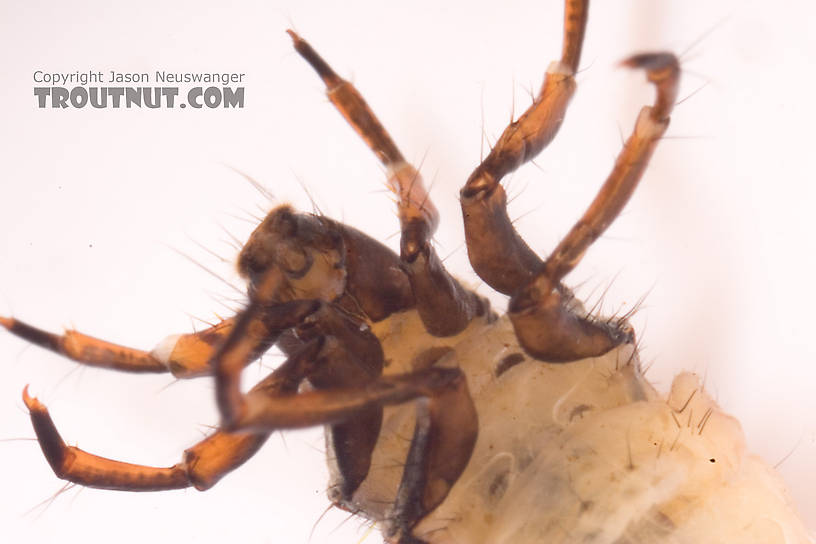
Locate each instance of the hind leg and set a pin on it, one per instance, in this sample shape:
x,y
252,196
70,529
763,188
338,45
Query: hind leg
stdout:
x,y
545,326
541,308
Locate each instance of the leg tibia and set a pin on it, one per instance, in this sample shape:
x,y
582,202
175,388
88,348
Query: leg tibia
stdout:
x,y
185,355
203,464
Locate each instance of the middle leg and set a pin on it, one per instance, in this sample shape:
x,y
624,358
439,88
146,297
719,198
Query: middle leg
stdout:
x,y
183,355
347,392
202,465
497,253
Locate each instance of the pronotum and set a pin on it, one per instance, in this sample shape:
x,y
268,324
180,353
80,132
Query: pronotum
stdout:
x,y
438,69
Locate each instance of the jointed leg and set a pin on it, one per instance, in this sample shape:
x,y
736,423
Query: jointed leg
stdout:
x,y
544,325
206,462
418,216
444,437
445,306
663,70
349,358
95,352
184,355
346,356
344,363
443,441
496,251
202,465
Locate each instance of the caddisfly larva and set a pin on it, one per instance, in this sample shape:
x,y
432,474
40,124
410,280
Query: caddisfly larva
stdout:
x,y
540,246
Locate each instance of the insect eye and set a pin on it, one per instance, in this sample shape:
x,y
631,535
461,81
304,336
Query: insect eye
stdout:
x,y
306,248
295,260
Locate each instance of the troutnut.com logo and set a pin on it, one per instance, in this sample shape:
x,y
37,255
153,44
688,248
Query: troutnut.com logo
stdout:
x,y
164,90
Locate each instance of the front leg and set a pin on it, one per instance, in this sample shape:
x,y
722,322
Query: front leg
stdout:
x,y
445,306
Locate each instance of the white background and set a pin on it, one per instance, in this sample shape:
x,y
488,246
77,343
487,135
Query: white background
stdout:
x,y
719,235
